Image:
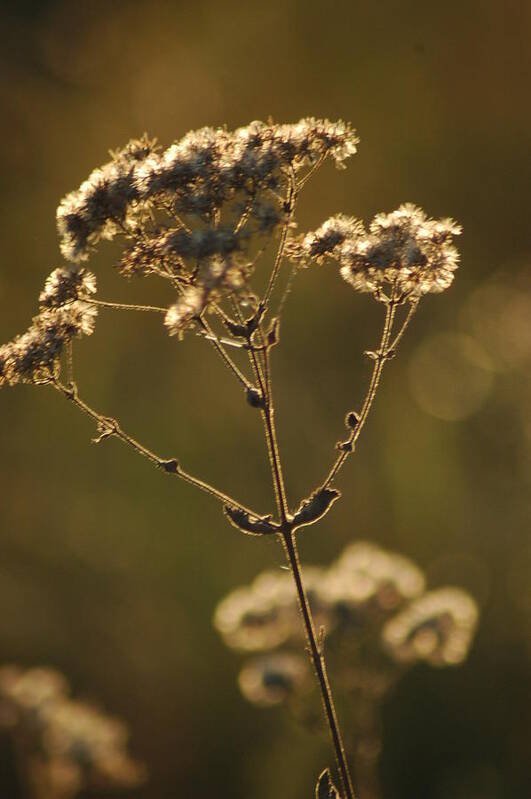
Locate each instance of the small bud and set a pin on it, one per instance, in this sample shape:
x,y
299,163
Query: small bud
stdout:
x,y
345,446
170,466
253,525
351,420
240,331
272,333
253,322
372,355
254,398
105,430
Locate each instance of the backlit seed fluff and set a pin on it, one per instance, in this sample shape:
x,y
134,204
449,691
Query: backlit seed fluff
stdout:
x,y
66,285
438,627
33,357
212,278
324,242
185,311
403,249
195,177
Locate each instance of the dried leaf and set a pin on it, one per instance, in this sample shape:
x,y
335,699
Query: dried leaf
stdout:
x,y
315,507
325,788
253,525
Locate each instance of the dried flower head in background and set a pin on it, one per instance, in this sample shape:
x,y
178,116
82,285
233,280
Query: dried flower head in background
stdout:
x,y
368,594
67,746
438,627
273,679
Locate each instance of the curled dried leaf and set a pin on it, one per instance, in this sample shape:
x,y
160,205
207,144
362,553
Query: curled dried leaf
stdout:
x,y
315,507
325,788
247,523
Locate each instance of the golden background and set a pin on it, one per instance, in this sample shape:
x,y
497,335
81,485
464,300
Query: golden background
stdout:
x,y
110,571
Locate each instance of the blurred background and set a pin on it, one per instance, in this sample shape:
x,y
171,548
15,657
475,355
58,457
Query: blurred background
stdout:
x,y
110,572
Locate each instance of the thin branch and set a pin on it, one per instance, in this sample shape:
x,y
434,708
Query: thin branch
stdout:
x,y
290,548
225,357
122,306
381,355
290,203
302,182
108,427
412,308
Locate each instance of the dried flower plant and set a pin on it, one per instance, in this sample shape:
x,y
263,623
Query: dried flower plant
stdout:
x,y
203,215
379,620
64,746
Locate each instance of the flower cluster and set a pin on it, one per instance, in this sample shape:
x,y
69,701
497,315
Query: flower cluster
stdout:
x,y
34,356
356,593
403,249
194,212
71,746
197,175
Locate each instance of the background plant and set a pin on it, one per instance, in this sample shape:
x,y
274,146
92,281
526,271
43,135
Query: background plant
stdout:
x,y
380,621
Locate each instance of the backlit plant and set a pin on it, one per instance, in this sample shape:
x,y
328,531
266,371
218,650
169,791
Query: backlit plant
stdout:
x,y
204,216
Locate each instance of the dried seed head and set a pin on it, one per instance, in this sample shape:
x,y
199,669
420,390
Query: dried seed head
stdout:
x,y
99,208
33,357
265,614
66,285
438,627
213,278
271,680
185,311
324,242
369,578
404,249
195,177
78,746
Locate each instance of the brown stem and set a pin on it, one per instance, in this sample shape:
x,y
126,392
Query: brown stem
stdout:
x,y
319,663
225,357
123,306
290,204
110,427
290,548
381,355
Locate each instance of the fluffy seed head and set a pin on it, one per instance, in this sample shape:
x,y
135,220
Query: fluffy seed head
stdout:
x,y
66,285
404,249
33,357
195,177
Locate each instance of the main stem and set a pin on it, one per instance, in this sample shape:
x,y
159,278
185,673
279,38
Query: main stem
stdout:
x,y
292,555
319,663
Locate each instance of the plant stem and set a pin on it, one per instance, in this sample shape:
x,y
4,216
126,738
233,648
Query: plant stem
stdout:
x,y
382,355
319,663
225,357
111,427
290,547
290,205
